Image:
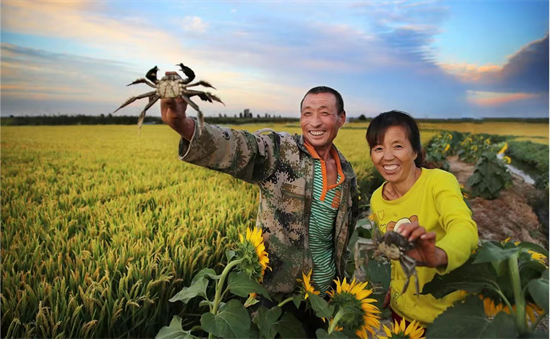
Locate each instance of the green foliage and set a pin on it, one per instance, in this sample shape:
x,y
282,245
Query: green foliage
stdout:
x,y
473,146
240,284
232,321
467,320
174,331
535,156
490,177
438,149
504,272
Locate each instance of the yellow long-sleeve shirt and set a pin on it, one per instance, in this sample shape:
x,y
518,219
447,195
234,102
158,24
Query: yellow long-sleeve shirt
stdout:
x,y
436,203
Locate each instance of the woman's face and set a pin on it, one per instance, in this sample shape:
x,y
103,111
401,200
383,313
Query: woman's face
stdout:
x,y
394,158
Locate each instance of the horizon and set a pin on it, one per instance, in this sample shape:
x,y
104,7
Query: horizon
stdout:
x,y
432,59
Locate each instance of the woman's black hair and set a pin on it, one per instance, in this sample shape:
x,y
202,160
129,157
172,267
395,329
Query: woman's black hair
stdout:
x,y
380,124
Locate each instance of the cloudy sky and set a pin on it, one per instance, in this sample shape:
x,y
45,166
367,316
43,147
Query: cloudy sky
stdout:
x,y
430,58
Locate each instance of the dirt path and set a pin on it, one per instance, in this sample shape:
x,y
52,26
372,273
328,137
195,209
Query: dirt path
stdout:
x,y
510,215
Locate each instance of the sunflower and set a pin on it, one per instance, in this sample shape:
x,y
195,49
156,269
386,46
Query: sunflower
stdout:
x,y
413,331
532,311
447,147
503,149
507,159
534,255
361,313
538,257
252,250
307,286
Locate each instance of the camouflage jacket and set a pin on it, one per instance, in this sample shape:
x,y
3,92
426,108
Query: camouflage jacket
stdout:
x,y
283,169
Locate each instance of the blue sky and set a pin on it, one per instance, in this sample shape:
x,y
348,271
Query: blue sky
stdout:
x,y
433,59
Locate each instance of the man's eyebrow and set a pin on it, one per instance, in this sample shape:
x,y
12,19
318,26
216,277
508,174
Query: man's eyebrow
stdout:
x,y
320,107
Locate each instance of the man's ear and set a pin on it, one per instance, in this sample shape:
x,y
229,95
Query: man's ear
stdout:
x,y
342,117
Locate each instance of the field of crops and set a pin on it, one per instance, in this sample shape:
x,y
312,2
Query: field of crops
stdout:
x,y
100,226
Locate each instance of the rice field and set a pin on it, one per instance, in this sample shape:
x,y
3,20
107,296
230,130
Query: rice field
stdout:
x,y
100,226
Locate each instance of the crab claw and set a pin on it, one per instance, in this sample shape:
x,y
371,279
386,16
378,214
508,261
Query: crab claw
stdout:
x,y
188,72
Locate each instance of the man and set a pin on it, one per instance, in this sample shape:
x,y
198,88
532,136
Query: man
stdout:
x,y
308,191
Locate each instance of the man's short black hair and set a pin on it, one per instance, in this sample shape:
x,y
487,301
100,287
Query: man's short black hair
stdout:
x,y
325,89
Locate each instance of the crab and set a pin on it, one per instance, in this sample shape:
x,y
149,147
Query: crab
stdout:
x,y
394,246
172,85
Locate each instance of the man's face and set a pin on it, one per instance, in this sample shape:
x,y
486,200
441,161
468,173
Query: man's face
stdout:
x,y
320,120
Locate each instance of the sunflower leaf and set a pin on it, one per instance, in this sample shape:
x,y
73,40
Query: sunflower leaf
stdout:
x,y
266,319
232,321
206,272
197,288
468,320
297,299
174,331
493,253
538,289
229,255
322,334
290,327
320,306
242,285
469,277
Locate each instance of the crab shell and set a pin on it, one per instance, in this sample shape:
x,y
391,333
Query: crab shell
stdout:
x,y
391,251
393,244
170,86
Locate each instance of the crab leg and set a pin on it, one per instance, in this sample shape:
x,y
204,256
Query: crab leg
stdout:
x,y
408,264
205,96
200,116
201,82
132,99
142,81
152,100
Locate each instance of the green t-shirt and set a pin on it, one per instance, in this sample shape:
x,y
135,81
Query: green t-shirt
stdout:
x,y
321,229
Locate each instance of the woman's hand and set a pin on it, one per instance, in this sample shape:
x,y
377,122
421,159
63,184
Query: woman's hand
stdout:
x,y
425,253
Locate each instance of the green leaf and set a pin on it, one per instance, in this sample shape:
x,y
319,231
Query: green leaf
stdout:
x,y
242,285
501,267
321,307
232,321
229,254
297,299
205,272
267,321
323,334
254,331
469,277
379,271
206,303
250,301
198,288
533,247
538,289
468,320
174,331
290,327
537,334
493,253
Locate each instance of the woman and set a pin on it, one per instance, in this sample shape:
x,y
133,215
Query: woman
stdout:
x,y
423,205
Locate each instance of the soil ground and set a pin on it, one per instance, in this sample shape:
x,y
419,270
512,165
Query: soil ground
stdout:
x,y
510,215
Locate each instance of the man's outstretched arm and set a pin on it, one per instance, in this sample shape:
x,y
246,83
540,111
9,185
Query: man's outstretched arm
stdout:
x,y
173,114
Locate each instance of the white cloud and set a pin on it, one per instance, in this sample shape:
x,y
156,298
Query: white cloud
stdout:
x,y
195,24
